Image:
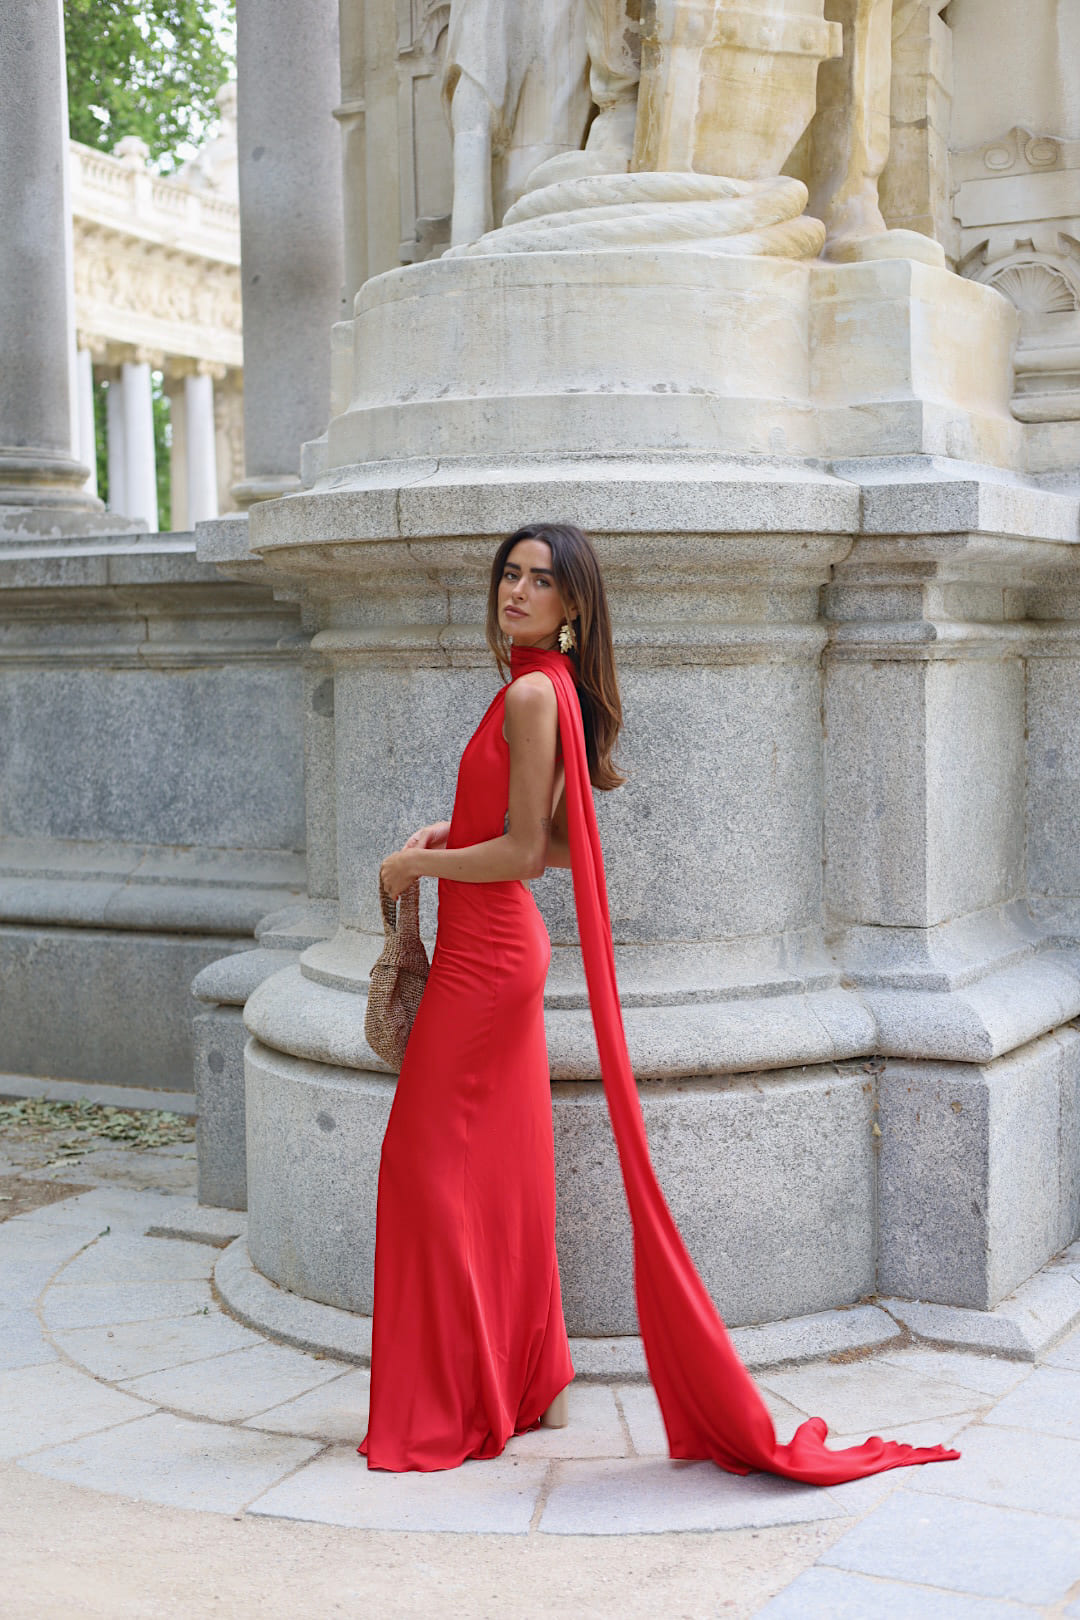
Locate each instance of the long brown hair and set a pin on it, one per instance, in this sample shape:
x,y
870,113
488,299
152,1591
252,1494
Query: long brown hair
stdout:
x,y
578,579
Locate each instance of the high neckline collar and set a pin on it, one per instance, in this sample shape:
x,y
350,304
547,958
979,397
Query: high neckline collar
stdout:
x,y
525,658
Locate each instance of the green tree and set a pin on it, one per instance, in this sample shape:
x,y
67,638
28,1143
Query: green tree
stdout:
x,y
148,68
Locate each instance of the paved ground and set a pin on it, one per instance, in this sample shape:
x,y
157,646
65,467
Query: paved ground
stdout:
x,y
158,1458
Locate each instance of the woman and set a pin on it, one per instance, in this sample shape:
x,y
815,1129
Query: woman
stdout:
x,y
469,1345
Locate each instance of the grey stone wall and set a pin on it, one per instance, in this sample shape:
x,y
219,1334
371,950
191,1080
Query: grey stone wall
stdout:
x,y
151,797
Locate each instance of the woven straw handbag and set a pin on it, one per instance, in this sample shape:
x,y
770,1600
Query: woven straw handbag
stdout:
x,y
398,977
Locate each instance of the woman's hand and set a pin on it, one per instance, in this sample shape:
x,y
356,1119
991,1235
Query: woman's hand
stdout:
x,y
398,871
433,837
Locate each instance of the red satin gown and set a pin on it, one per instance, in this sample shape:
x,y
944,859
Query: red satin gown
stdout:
x,y
468,1343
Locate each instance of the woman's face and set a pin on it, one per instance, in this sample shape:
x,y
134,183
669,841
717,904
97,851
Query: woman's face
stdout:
x,y
531,611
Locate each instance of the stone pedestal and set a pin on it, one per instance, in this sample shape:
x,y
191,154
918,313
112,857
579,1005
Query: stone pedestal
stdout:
x,y
767,356
817,867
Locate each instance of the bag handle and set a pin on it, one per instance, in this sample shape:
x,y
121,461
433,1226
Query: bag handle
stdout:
x,y
402,916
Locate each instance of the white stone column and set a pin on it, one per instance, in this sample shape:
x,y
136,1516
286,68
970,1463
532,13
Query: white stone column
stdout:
x,y
178,460
202,497
290,232
139,442
87,431
116,446
38,466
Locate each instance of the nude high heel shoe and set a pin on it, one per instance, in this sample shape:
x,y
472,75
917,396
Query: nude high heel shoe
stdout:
x,y
558,1413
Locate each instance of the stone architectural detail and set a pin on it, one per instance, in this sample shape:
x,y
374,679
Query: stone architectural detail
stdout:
x,y
157,284
1017,200
914,186
1015,179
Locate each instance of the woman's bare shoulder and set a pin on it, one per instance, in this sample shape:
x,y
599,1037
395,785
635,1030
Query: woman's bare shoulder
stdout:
x,y
531,694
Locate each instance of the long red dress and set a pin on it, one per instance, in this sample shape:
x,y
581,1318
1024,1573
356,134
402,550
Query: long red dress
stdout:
x,y
468,1343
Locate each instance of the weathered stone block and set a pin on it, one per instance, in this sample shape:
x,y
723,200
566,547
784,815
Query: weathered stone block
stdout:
x,y
107,1006
977,1181
924,788
218,1036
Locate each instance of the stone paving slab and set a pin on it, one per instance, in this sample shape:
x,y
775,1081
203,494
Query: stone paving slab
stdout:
x,y
336,1412
125,1257
640,1496
986,1374
45,1404
1066,1354
1024,1326
118,1208
237,1384
649,1437
201,1223
21,1341
641,1412
498,1497
867,1398
594,1429
177,1462
834,1594
125,1097
100,1306
131,1348
1048,1401
938,1431
302,1323
220,1449
23,1280
964,1547
1009,1468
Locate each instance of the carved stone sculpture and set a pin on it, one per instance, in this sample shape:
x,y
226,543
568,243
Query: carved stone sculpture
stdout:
x,y
850,140
516,94
707,97
724,94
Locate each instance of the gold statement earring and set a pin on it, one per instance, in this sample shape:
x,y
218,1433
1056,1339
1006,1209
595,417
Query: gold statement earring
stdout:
x,y
567,638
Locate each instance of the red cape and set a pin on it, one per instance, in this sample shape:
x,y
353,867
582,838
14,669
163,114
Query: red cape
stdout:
x,y
710,1404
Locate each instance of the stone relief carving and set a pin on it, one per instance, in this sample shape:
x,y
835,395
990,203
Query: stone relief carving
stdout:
x,y
425,174
136,291
1017,200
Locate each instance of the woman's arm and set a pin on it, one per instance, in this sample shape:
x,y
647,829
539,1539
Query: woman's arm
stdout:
x,y
430,837
559,838
531,723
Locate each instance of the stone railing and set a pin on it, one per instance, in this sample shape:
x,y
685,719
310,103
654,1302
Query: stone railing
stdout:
x,y
120,192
